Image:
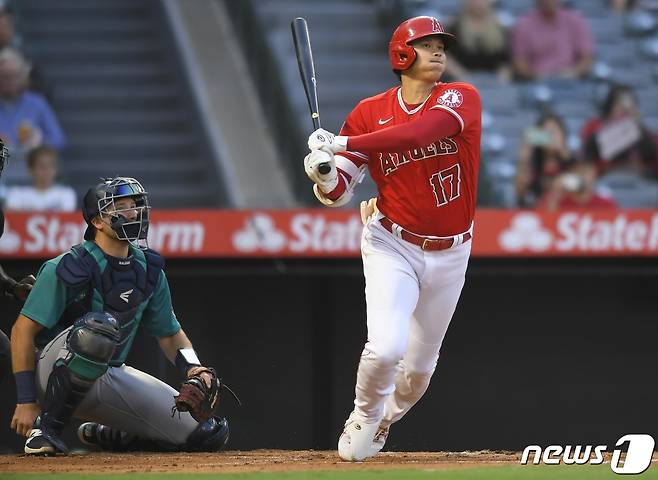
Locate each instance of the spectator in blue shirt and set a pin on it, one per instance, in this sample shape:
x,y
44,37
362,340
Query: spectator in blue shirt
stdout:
x,y
26,119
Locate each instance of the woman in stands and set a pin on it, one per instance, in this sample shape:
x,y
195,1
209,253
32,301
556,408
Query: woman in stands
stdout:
x,y
543,156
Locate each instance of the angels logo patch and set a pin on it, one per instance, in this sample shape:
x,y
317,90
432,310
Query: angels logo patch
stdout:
x,y
451,98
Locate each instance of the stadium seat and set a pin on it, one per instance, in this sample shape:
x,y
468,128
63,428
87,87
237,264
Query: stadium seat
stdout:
x,y
640,23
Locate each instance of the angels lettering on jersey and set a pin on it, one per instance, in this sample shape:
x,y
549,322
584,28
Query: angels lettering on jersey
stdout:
x,y
434,181
391,161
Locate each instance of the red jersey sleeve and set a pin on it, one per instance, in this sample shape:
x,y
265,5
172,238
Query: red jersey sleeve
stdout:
x,y
348,163
462,101
415,134
355,125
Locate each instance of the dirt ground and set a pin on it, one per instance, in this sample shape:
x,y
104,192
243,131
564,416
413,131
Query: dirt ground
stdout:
x,y
247,461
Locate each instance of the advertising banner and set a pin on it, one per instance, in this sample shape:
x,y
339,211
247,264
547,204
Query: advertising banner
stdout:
x,y
337,233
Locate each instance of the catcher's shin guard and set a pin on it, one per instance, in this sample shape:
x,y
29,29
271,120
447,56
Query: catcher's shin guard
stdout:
x,y
209,436
90,344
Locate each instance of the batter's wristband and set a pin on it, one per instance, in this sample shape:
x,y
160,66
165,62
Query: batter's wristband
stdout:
x,y
26,390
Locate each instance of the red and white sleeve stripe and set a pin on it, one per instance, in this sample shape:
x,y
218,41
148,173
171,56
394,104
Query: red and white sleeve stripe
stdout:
x,y
347,165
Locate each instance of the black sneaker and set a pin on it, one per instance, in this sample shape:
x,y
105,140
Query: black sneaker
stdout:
x,y
42,442
107,438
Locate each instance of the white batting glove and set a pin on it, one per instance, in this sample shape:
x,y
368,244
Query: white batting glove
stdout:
x,y
327,141
368,210
328,181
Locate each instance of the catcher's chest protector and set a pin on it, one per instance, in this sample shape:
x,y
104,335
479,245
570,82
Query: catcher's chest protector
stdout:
x,y
119,286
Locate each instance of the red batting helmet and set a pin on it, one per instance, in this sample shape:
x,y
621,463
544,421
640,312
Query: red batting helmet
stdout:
x,y
402,54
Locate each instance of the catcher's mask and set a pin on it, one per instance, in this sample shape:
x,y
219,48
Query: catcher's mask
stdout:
x,y
100,200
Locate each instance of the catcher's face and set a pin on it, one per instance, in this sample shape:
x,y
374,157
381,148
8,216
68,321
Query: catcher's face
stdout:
x,y
430,59
125,207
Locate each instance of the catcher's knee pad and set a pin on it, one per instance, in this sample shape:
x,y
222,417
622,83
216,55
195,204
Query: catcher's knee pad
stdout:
x,y
209,436
91,344
5,356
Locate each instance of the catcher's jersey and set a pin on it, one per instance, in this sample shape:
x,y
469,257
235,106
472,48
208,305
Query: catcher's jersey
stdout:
x,y
431,190
51,296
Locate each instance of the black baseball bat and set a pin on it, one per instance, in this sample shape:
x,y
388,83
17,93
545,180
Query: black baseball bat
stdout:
x,y
302,42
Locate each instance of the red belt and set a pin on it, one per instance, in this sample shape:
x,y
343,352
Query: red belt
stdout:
x,y
425,243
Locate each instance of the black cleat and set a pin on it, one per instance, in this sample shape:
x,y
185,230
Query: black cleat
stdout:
x,y
42,442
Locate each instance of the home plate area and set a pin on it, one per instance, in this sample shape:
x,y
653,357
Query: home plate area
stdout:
x,y
249,461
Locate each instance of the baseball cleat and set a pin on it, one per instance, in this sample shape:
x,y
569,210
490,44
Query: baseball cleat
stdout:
x,y
356,442
380,439
107,438
41,442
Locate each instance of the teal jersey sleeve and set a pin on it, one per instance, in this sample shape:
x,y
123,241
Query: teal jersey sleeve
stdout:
x,y
49,296
159,318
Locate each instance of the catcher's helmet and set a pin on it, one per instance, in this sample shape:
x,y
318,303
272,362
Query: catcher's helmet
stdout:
x,y
403,55
99,200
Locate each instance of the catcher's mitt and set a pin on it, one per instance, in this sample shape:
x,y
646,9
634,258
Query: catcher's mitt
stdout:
x,y
200,394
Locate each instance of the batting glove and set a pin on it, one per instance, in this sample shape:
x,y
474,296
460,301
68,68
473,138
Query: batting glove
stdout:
x,y
328,181
327,141
368,210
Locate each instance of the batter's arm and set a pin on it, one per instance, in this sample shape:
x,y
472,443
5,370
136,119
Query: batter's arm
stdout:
x,y
7,283
417,133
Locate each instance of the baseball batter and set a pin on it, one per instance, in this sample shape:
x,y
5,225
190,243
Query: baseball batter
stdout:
x,y
82,316
420,141
9,286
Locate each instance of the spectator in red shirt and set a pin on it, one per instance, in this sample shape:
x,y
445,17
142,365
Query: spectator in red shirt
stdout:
x,y
618,140
552,41
575,189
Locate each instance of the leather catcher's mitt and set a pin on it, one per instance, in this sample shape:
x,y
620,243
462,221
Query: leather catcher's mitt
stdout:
x,y
196,397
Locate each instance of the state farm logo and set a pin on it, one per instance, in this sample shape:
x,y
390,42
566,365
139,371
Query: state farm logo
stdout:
x,y
526,231
50,235
581,233
304,233
259,232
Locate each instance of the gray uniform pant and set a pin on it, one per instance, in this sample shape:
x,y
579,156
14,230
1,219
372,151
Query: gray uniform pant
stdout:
x,y
124,398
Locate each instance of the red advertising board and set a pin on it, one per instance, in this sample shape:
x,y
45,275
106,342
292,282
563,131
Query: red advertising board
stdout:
x,y
332,233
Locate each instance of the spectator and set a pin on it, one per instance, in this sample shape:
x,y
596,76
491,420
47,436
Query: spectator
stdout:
x,y
44,194
618,140
575,189
26,119
8,38
7,32
482,45
543,156
625,6
552,41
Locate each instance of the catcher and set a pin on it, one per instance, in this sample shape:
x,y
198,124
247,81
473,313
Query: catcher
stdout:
x,y
82,316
